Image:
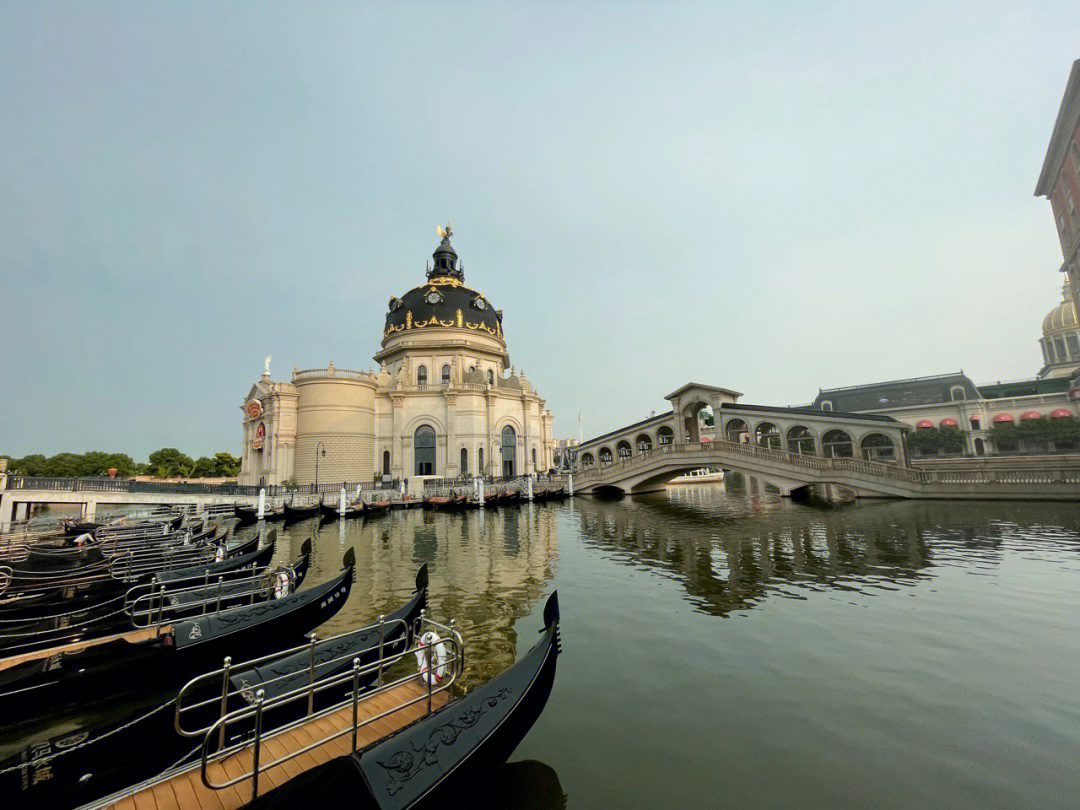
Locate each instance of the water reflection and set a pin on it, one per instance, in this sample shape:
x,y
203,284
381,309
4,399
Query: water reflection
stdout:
x,y
487,569
526,785
732,548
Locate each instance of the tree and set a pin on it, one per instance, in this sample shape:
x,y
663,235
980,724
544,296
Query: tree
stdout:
x,y
227,465
168,462
204,468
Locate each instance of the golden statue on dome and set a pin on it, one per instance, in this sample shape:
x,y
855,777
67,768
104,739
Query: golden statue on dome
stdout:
x,y
446,232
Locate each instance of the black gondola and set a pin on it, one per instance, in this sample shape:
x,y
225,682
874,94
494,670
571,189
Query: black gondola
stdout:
x,y
330,513
293,513
123,751
246,515
437,761
52,680
376,507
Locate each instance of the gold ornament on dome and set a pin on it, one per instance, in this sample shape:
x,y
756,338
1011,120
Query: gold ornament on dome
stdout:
x,y
459,319
449,281
408,319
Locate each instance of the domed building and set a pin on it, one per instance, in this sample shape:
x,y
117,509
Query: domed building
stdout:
x,y
445,401
1061,338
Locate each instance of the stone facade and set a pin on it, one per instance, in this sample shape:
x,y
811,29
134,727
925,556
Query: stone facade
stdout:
x,y
445,401
1059,180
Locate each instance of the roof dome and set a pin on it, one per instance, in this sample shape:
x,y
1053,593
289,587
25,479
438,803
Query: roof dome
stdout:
x,y
444,301
1061,318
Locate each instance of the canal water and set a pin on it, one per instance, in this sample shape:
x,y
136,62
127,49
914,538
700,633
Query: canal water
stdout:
x,y
727,649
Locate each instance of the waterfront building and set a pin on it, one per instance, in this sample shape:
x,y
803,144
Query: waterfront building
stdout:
x,y
1059,180
445,401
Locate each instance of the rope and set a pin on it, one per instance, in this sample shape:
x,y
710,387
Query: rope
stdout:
x,y
57,630
59,615
84,743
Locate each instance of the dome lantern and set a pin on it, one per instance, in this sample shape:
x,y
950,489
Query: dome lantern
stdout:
x,y
446,258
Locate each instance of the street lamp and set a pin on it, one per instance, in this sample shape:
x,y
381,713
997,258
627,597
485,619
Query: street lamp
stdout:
x,y
317,446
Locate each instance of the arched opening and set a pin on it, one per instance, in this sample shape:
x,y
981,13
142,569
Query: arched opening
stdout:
x,y
464,461
768,435
534,459
665,435
736,431
837,444
480,461
386,462
605,456
424,449
644,443
801,441
878,447
421,375
446,375
624,450
509,450
491,377
980,449
587,460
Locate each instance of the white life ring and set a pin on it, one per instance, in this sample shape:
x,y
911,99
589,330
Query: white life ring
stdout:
x,y
282,585
438,654
219,555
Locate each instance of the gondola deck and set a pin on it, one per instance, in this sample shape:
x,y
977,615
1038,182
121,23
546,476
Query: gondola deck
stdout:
x,y
132,636
186,791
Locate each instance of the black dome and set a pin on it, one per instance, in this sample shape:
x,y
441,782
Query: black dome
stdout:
x,y
442,303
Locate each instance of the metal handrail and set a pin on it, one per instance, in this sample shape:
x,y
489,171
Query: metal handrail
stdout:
x,y
259,584
261,705
224,672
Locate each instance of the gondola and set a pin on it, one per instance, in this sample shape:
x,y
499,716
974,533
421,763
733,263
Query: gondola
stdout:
x,y
509,497
450,503
53,680
439,760
246,514
293,513
329,513
126,750
376,507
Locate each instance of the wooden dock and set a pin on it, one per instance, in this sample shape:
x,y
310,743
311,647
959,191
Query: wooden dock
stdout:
x,y
186,791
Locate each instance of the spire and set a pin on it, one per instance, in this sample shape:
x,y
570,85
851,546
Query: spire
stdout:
x,y
446,258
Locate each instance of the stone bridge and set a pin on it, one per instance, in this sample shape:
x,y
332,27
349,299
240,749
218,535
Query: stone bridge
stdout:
x,y
792,449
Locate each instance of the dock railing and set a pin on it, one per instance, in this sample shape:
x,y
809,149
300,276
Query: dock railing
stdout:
x,y
214,747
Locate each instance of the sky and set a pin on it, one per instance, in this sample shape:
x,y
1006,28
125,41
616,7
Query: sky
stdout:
x,y
772,198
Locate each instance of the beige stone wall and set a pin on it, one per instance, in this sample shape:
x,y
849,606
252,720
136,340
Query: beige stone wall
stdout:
x,y
340,413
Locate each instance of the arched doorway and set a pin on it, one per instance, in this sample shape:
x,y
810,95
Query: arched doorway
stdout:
x,y
837,444
980,449
736,430
509,450
424,450
644,443
878,447
768,435
605,456
800,440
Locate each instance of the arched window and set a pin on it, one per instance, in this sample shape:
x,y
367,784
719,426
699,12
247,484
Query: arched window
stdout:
x,y
424,449
836,444
534,459
464,461
491,377
386,462
421,375
768,435
509,450
736,430
826,405
446,374
665,435
605,456
799,440
644,443
587,460
480,460
956,393
624,450
878,447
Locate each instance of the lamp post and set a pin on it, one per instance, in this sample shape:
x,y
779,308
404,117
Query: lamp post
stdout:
x,y
317,446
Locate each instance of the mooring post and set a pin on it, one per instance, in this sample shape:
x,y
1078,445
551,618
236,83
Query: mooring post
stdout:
x,y
341,500
570,483
529,487
262,502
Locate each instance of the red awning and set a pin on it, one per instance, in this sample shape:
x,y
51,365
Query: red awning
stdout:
x,y
1003,417
948,421
1057,413
924,423
1031,415
974,418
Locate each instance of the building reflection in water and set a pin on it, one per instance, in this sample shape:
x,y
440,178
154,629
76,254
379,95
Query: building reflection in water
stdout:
x,y
732,546
487,569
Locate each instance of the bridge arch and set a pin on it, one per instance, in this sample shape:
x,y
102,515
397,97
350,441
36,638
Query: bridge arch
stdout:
x,y
664,435
588,460
623,449
837,443
606,456
878,447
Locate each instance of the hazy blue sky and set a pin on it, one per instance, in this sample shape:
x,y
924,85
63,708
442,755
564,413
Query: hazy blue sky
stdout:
x,y
770,198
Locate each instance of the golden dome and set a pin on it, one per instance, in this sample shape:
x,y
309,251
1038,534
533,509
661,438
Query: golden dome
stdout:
x,y
1061,318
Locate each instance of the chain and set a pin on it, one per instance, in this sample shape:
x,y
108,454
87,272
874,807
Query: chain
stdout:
x,y
84,743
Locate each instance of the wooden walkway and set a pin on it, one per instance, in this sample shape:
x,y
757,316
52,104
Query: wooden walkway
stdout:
x,y
132,636
186,791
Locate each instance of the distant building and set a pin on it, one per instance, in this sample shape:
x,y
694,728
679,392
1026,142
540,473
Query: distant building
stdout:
x,y
445,401
1059,180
